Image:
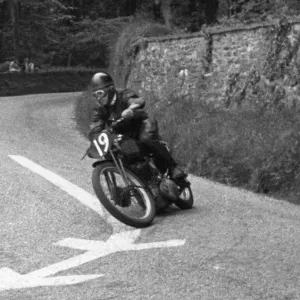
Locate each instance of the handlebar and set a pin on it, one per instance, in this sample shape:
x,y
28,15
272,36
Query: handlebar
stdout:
x,y
115,124
119,121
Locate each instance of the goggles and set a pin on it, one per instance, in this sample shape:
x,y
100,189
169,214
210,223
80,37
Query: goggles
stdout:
x,y
99,94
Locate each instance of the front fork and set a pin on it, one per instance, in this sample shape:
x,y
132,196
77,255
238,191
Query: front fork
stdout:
x,y
119,164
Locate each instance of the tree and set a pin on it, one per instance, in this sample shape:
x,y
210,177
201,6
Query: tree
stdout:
x,y
34,26
128,7
163,8
193,14
167,12
248,9
10,7
211,11
14,16
94,39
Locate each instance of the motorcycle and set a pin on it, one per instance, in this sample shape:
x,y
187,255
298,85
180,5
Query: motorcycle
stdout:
x,y
130,185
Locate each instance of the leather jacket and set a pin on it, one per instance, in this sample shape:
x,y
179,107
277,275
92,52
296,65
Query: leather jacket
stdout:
x,y
123,99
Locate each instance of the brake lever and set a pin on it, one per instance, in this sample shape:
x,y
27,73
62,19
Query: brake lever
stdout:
x,y
115,123
120,120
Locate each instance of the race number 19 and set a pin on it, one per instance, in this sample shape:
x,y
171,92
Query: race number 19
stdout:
x,y
102,143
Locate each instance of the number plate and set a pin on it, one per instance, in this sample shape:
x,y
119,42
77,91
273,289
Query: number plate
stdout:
x,y
103,143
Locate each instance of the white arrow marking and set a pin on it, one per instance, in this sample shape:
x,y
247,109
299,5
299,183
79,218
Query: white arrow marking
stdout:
x,y
76,192
123,241
13,280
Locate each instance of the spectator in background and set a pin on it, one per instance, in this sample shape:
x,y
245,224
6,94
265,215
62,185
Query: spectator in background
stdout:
x,y
31,67
28,67
14,66
25,65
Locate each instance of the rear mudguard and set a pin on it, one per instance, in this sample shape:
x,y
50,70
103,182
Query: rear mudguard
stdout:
x,y
183,183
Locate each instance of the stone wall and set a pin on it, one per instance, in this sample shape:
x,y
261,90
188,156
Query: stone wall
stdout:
x,y
183,64
166,66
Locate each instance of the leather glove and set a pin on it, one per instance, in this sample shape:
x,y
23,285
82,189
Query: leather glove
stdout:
x,y
127,114
117,125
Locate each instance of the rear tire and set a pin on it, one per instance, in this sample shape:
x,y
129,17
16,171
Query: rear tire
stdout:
x,y
142,193
186,202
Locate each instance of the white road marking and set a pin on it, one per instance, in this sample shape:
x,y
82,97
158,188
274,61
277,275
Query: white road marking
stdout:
x,y
119,241
123,241
78,193
10,279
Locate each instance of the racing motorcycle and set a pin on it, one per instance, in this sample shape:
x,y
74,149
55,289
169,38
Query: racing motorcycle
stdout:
x,y
129,183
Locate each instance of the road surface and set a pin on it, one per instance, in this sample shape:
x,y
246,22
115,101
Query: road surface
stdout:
x,y
57,243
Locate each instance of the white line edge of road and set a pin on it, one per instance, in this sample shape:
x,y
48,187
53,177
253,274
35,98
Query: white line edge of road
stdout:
x,y
76,192
118,242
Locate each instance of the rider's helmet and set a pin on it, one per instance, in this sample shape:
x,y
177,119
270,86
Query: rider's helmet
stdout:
x,y
103,88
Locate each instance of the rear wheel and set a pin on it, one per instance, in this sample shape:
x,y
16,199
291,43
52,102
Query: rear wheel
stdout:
x,y
132,204
186,198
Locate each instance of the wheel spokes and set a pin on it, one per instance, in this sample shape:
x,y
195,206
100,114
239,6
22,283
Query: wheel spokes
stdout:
x,y
131,200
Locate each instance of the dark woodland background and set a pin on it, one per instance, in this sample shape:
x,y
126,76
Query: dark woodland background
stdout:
x,y
83,32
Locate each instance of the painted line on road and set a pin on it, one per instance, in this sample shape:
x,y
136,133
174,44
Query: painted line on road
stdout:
x,y
120,242
76,192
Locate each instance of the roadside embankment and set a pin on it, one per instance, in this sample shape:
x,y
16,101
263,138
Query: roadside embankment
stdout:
x,y
12,84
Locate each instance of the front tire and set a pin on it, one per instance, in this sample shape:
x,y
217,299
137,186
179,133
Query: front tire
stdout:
x,y
120,200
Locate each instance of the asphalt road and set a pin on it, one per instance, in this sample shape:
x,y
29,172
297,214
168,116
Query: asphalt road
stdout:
x,y
235,244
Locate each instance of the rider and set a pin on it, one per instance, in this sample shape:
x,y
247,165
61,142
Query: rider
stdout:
x,y
112,104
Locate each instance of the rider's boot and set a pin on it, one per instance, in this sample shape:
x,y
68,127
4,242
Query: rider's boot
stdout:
x,y
176,173
161,151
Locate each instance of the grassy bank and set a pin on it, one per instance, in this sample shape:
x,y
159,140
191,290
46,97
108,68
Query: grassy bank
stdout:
x,y
255,150
258,150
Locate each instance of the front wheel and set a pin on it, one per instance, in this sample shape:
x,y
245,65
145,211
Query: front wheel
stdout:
x,y
131,204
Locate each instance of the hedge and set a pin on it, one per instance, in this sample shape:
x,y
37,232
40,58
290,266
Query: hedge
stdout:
x,y
12,84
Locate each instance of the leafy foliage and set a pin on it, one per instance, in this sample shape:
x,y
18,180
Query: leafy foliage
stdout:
x,y
122,57
277,84
241,147
127,47
94,40
39,27
76,32
57,80
244,8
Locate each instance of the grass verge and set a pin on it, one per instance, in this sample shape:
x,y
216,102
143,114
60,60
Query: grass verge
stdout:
x,y
255,150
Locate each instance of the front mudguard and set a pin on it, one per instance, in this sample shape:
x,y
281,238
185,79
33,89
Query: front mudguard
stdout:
x,y
100,161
